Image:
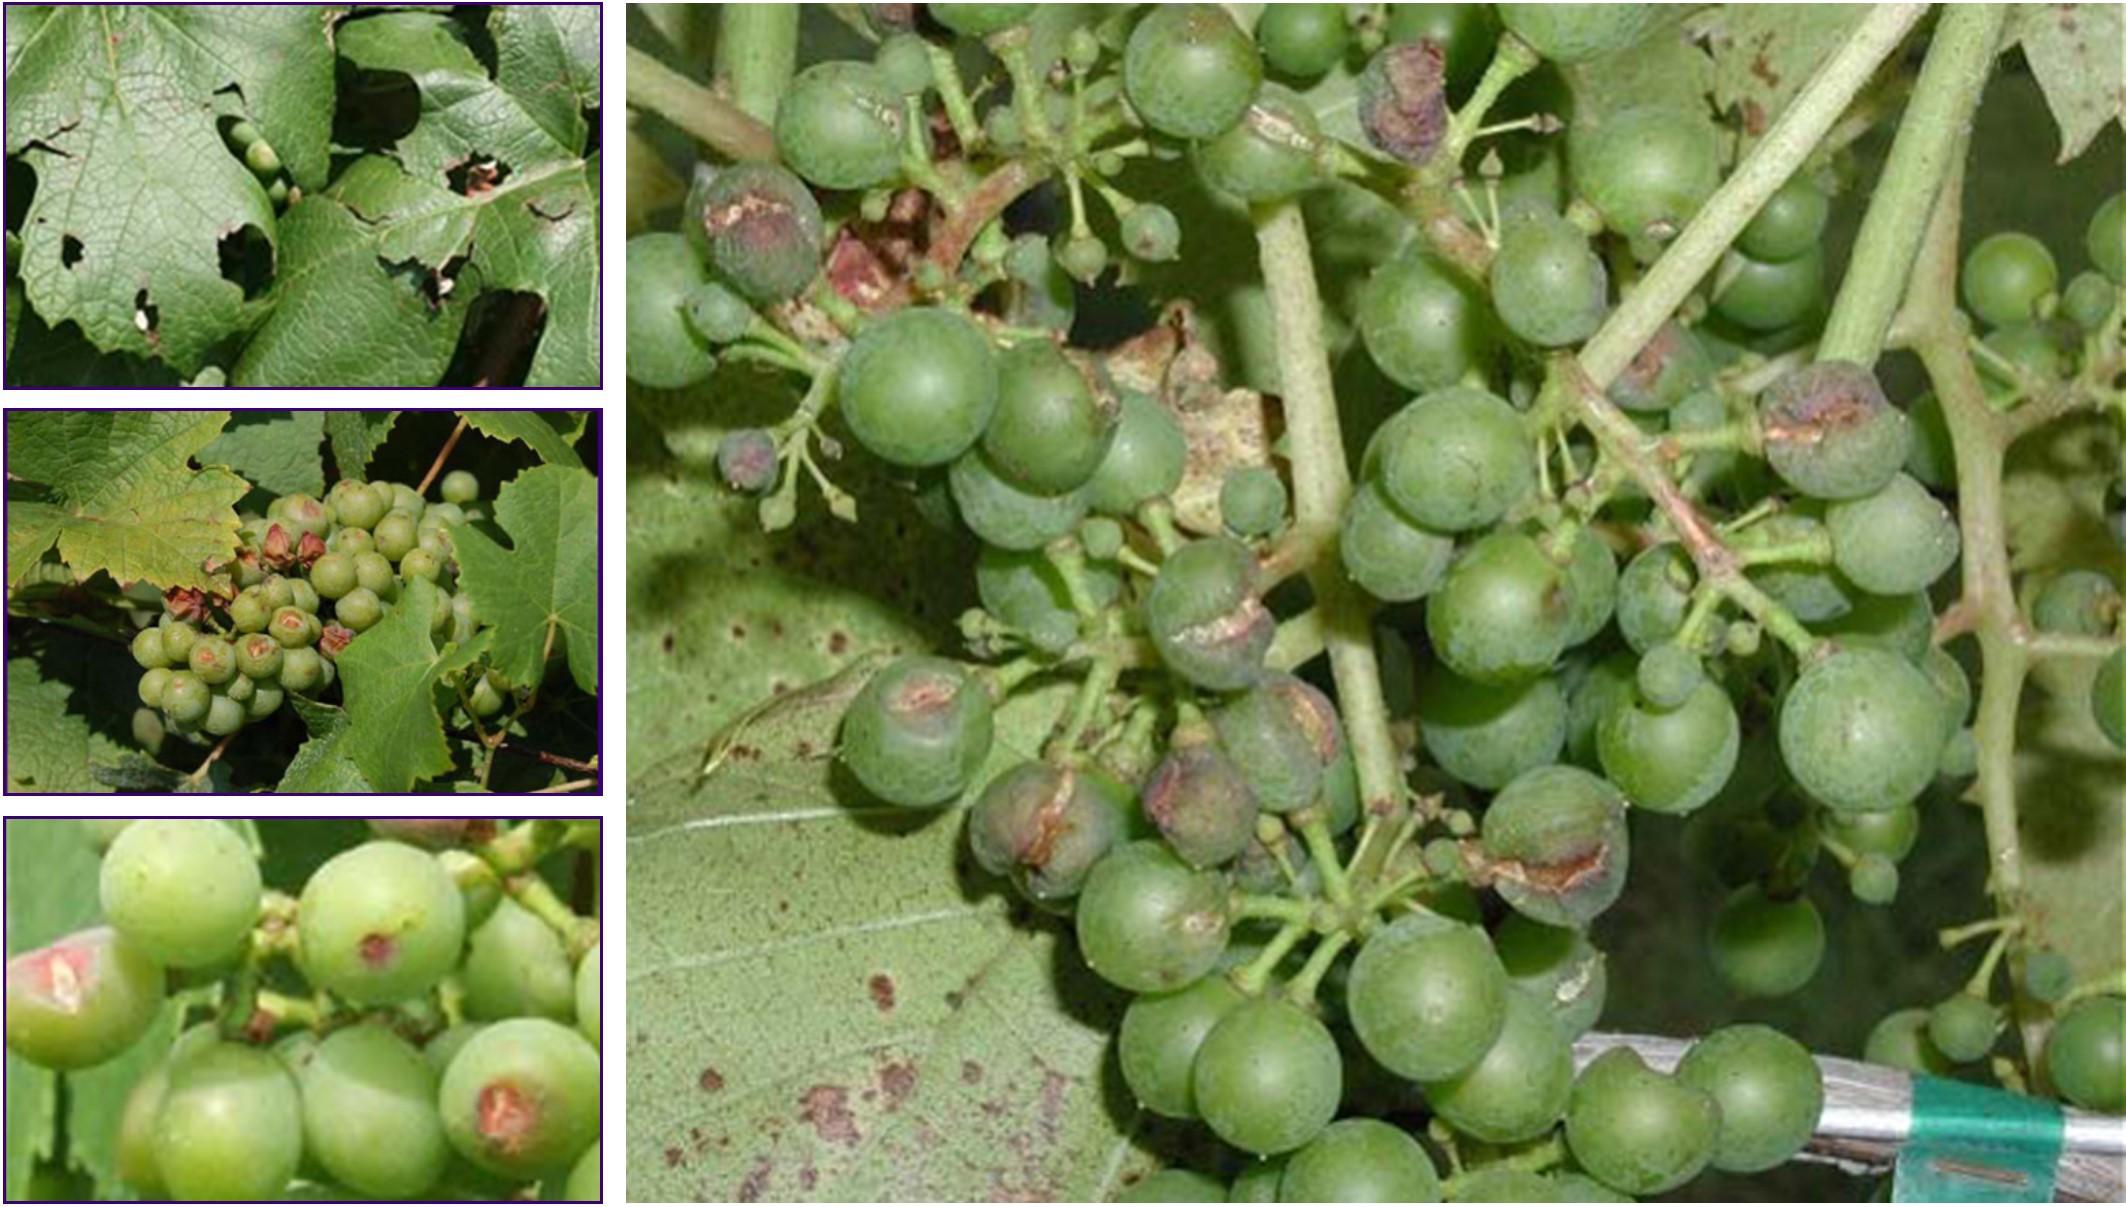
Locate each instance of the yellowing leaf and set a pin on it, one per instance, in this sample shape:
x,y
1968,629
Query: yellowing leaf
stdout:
x,y
116,492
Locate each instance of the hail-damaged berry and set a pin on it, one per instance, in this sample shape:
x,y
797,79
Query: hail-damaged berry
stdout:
x,y
1201,803
1205,618
1402,101
918,732
1556,846
1045,827
1830,432
748,461
81,1000
759,228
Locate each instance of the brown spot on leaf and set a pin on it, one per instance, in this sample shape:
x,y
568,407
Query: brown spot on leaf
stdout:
x,y
711,1080
898,1081
881,987
970,1072
756,1183
826,1108
673,1158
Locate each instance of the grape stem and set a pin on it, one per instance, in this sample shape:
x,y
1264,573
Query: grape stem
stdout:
x,y
1307,981
722,126
436,467
1321,480
756,54
1931,131
1254,977
530,890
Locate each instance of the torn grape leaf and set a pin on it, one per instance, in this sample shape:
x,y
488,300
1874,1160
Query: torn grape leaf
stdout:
x,y
322,763
113,108
551,434
355,438
2074,53
279,451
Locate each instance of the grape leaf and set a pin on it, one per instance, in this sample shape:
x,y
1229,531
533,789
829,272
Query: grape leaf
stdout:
x,y
112,107
841,1013
1764,53
322,763
119,494
541,594
277,450
390,675
48,748
355,437
547,433
2074,51
490,191
64,357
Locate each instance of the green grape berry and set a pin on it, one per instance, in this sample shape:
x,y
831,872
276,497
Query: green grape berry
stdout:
x,y
292,627
1768,295
1174,1186
1148,922
1268,1077
2089,300
369,1113
1558,966
151,686
919,386
1283,735
302,670
917,732
184,890
1427,997
1763,947
1026,590
1485,735
1144,460
662,351
1504,612
841,125
1769,1090
177,640
2085,1056
1900,1041
589,988
1160,1036
148,650
380,923
1519,1088
1673,365
1862,730
1302,41
332,575
1676,759
2106,238
186,698
230,1127
1252,500
359,609
2006,276
1963,1026
2107,698
1455,459
1361,1161
2077,602
1548,285
1898,540
1002,514
516,967
1636,1130
1574,33
1050,430
1647,169
1151,233
1422,324
1189,71
81,999
1393,557
1790,224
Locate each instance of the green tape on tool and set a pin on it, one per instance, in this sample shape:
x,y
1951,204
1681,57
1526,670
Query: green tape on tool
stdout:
x,y
1971,1144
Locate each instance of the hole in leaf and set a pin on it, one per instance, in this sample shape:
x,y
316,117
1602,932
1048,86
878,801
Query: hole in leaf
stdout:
x,y
246,260
375,109
501,334
592,124
147,318
70,250
476,176
21,190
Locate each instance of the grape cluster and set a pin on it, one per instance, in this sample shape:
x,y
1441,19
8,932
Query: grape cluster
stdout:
x,y
1705,591
309,576
419,1021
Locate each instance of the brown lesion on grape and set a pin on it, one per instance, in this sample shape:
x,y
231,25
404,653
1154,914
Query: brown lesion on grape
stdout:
x,y
508,1119
377,950
1403,101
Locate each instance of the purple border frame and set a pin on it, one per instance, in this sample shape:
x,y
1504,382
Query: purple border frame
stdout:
x,y
598,232
7,940
598,474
